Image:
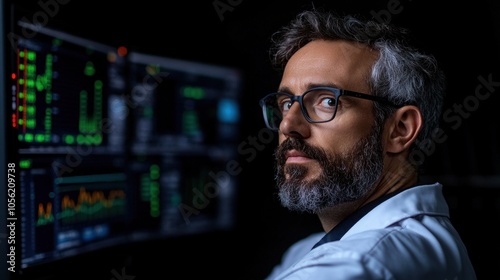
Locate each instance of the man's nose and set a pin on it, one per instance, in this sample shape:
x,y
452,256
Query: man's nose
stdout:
x,y
294,123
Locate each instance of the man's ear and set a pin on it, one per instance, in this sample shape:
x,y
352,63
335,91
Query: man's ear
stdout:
x,y
404,128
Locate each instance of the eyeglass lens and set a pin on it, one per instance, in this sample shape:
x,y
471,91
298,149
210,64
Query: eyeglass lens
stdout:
x,y
316,105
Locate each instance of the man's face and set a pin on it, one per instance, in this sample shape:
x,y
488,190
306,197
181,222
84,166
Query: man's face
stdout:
x,y
325,164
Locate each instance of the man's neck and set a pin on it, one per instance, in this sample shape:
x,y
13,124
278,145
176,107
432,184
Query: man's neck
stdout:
x,y
389,183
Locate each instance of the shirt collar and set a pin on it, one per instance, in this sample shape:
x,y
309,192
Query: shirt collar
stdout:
x,y
339,230
423,199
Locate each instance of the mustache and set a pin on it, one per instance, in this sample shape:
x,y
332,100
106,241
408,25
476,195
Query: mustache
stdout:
x,y
299,145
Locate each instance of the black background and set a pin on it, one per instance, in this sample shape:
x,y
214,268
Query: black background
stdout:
x,y
464,37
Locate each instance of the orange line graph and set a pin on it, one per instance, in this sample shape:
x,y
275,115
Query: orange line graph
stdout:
x,y
91,198
45,213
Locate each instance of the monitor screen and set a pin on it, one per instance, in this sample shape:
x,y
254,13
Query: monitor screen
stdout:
x,y
110,147
185,123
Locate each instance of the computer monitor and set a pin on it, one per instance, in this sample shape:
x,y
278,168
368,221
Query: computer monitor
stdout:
x,y
185,120
109,146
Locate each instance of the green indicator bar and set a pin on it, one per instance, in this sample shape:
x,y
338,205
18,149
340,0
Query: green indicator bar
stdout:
x,y
39,138
190,123
31,55
48,74
154,191
89,69
83,123
145,187
193,92
30,123
154,172
69,139
48,122
56,42
98,86
148,112
25,163
30,97
37,87
28,137
154,209
31,110
89,124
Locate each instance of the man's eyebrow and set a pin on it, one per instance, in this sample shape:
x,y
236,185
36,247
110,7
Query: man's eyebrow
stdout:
x,y
309,86
284,89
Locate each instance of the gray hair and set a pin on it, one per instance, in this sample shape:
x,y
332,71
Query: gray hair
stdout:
x,y
401,73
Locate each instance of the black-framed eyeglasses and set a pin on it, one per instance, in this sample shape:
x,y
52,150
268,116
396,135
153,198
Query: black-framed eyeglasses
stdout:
x,y
318,104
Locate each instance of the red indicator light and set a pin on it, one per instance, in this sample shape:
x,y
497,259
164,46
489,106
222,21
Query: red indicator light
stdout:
x,y
14,120
122,51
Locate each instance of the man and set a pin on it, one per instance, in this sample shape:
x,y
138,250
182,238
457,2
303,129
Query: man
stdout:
x,y
354,104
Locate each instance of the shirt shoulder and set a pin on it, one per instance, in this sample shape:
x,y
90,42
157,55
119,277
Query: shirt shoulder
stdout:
x,y
296,252
419,247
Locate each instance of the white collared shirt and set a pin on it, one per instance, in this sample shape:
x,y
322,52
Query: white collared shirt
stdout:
x,y
408,236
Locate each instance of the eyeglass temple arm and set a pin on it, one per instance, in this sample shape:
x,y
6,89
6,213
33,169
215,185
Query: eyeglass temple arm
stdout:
x,y
380,99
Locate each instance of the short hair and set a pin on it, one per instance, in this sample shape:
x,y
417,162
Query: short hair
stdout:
x,y
402,73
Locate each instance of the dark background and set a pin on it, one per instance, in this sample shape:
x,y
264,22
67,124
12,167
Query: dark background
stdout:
x,y
464,37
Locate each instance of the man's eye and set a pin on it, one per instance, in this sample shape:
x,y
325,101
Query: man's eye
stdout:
x,y
285,104
328,102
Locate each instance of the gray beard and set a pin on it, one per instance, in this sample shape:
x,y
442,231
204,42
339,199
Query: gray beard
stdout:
x,y
344,178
